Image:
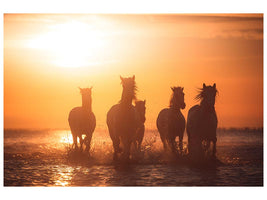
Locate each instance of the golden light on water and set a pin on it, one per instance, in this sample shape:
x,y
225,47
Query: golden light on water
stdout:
x,y
63,176
66,139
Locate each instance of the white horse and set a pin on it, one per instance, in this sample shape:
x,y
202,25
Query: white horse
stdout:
x,y
202,122
82,120
171,122
123,120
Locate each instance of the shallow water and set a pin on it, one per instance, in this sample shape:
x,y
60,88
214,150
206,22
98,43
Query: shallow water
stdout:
x,y
45,158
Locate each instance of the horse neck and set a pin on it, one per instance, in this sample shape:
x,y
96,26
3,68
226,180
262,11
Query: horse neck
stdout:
x,y
87,104
126,99
142,116
206,108
175,108
174,105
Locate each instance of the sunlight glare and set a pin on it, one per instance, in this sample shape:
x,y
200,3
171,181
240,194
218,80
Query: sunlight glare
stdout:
x,y
67,139
72,44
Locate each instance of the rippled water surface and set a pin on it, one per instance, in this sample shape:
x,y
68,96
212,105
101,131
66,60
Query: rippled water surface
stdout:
x,y
45,158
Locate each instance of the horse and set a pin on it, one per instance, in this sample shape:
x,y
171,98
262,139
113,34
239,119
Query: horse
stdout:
x,y
123,120
140,107
82,120
171,122
202,122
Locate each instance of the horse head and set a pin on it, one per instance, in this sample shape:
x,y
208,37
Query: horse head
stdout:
x,y
207,95
129,88
86,96
141,109
177,99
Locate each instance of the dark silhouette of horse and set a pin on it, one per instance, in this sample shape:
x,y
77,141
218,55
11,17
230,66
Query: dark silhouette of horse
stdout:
x,y
171,122
202,122
82,120
140,107
123,120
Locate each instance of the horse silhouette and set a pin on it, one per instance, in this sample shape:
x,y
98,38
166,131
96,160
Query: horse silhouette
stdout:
x,y
202,122
140,107
82,120
171,122
123,120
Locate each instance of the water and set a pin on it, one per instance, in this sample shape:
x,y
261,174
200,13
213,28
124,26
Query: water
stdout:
x,y
45,158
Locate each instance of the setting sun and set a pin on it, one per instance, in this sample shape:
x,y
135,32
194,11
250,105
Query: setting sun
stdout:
x,y
71,44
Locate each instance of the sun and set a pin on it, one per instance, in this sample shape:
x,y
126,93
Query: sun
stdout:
x,y
72,44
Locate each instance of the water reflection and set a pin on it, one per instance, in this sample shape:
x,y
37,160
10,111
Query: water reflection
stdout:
x,y
62,175
47,159
66,138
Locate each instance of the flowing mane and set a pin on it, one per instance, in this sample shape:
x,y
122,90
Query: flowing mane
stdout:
x,y
203,91
129,90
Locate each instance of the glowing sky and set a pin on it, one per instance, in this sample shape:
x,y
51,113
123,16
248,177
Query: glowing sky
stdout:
x,y
47,57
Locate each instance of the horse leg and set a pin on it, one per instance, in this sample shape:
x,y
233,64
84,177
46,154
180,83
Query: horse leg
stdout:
x,y
74,138
116,147
196,149
164,142
87,141
206,146
189,145
81,142
214,147
172,145
136,146
126,149
139,146
140,140
181,143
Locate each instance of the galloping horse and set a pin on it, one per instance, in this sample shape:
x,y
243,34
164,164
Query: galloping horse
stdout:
x,y
171,122
82,120
123,120
202,122
140,107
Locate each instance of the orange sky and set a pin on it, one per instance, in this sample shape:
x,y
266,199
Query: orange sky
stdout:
x,y
47,57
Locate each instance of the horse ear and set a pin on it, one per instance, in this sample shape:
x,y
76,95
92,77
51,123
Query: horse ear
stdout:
x,y
204,85
214,85
121,78
172,89
182,88
133,77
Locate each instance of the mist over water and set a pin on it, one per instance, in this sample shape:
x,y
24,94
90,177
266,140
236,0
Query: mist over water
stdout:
x,y
46,158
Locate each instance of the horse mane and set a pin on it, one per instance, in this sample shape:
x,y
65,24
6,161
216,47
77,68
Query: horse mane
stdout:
x,y
174,89
200,95
131,84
